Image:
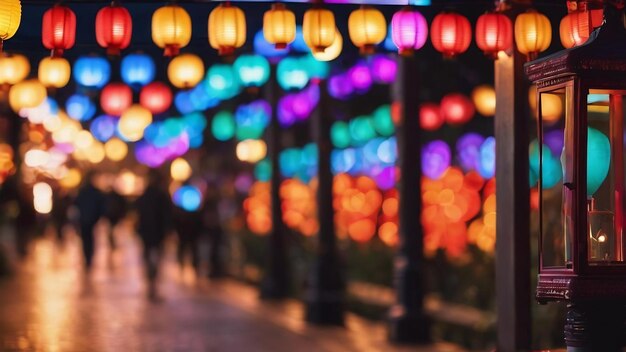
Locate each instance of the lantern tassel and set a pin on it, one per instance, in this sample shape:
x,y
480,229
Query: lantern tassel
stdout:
x,y
171,50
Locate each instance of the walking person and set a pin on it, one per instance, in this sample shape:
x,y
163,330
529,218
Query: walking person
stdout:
x,y
189,226
90,204
115,211
154,221
213,226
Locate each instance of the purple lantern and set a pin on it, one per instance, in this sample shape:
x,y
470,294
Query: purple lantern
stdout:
x,y
435,159
554,140
409,30
286,117
383,69
386,178
340,87
468,149
361,77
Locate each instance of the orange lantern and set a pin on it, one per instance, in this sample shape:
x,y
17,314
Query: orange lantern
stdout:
x,y
116,98
533,33
58,30
171,29
227,28
367,27
576,27
114,28
279,26
494,33
318,29
450,33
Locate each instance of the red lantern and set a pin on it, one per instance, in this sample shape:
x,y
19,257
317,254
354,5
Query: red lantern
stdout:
x,y
156,97
116,98
456,108
114,27
431,118
58,31
450,33
494,33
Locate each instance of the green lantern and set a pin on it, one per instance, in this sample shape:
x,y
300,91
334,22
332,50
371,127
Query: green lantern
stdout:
x,y
598,159
340,134
223,126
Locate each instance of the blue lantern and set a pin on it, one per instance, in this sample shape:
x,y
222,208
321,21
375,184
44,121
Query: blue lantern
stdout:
x,y
183,102
222,82
188,198
263,170
91,71
252,70
299,44
265,48
137,69
80,107
316,69
103,127
291,74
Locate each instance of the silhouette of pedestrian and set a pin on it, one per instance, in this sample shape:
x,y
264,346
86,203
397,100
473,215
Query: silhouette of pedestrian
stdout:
x,y
154,221
62,203
90,204
214,229
189,227
115,211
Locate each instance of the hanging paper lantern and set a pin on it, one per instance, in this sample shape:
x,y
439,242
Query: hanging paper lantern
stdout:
x,y
431,118
91,71
318,29
253,70
114,28
291,74
316,69
171,29
436,158
137,69
156,97
223,126
115,98
576,27
251,150
103,127
227,28
58,30
367,27
333,51
384,69
409,31
54,72
533,33
185,71
27,94
360,77
484,98
79,107
133,122
180,170
279,26
457,108
13,68
598,159
494,33
450,33
10,17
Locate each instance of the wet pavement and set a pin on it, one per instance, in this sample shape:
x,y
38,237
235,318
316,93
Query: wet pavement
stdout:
x,y
48,305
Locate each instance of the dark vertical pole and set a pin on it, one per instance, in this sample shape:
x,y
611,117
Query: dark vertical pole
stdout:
x,y
275,284
513,204
407,322
326,286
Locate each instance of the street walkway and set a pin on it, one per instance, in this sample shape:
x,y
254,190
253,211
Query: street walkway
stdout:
x,y
45,306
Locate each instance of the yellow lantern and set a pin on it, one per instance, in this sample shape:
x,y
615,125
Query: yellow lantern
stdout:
x,y
180,170
115,149
54,72
13,68
251,150
333,51
95,153
83,140
227,28
133,122
551,105
27,94
279,26
533,33
171,29
367,27
42,198
484,98
10,17
71,179
318,29
185,71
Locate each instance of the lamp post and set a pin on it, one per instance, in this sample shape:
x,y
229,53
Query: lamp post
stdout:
x,y
407,321
275,283
325,295
582,243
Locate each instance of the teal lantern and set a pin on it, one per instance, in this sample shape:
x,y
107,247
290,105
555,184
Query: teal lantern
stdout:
x,y
291,74
252,70
361,130
222,82
598,159
263,170
383,123
340,134
223,126
316,69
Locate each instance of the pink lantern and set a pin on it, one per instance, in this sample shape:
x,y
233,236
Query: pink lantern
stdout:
x,y
457,109
409,31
